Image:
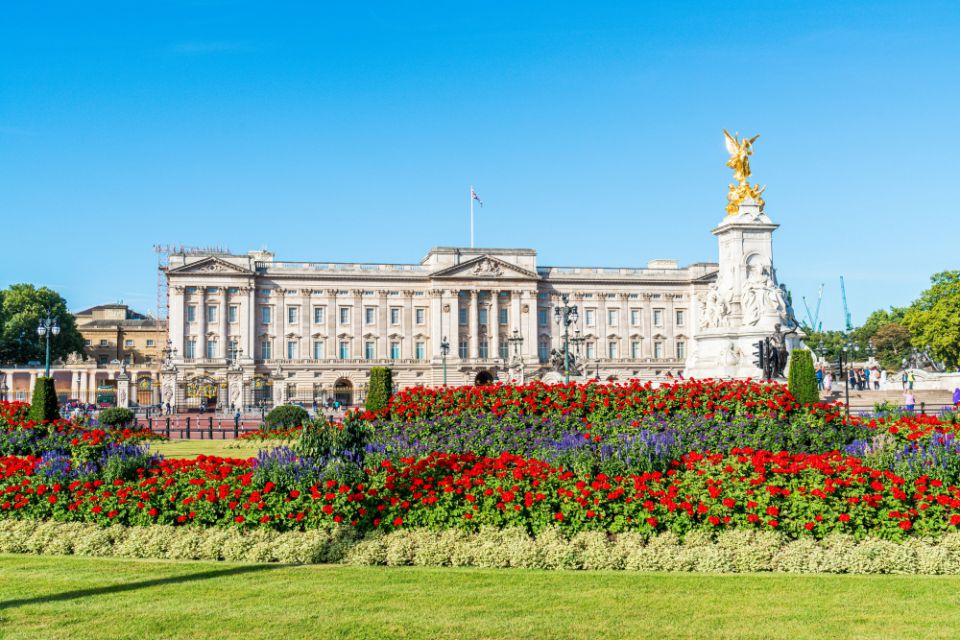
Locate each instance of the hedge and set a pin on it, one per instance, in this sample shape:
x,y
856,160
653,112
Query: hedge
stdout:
x,y
43,402
381,386
802,379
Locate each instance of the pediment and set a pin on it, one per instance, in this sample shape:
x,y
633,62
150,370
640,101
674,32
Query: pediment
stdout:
x,y
212,264
486,268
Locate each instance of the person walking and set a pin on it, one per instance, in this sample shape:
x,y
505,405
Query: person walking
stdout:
x,y
828,382
909,401
236,420
820,378
956,398
876,379
911,378
903,381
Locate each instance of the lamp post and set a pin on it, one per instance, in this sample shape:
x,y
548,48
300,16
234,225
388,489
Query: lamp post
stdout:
x,y
516,342
48,326
564,316
843,357
444,350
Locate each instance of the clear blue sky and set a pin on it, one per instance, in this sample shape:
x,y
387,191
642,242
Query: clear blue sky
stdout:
x,y
349,132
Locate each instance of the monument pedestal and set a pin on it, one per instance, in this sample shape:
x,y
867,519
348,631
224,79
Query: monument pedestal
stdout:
x,y
745,305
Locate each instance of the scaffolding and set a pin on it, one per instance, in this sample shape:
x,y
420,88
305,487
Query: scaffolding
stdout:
x,y
164,251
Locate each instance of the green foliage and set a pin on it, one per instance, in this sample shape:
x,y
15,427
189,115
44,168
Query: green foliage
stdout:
x,y
116,417
21,307
43,402
381,386
802,379
826,343
287,415
934,318
339,447
892,344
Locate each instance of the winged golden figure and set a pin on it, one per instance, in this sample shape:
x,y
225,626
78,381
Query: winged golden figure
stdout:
x,y
740,152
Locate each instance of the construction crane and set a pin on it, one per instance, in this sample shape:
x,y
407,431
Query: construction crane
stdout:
x,y
846,310
813,319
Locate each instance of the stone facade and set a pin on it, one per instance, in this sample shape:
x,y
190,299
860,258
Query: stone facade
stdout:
x,y
250,330
114,332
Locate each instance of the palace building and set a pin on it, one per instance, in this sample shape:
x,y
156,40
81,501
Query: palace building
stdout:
x,y
252,330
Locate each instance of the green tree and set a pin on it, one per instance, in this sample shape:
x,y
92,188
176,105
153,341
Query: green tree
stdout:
x,y
863,335
829,342
21,307
43,402
892,345
934,318
802,379
381,386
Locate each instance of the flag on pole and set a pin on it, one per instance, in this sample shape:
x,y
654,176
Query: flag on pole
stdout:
x,y
473,194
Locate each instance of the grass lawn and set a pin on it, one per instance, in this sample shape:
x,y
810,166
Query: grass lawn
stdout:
x,y
193,448
78,598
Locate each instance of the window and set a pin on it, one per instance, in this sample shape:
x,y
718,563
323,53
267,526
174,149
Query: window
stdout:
x,y
232,312
635,349
613,315
462,349
394,315
211,313
265,315
292,349
394,350
463,317
542,317
612,350
680,317
681,349
503,316
22,395
420,315
103,359
88,343
657,349
635,317
292,314
590,317
369,350
211,348
318,350
420,351
484,350
344,315
104,343
265,350
233,349
190,348
658,317
191,313
504,349
543,350
151,343
128,343
591,350
484,315
318,315
344,349
370,315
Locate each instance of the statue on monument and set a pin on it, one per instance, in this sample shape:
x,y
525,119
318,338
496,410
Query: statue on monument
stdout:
x,y
740,150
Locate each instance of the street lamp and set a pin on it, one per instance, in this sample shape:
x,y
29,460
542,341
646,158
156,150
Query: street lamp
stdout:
x,y
565,316
444,350
843,357
48,326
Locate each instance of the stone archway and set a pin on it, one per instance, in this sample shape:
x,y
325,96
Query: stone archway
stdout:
x,y
343,392
483,378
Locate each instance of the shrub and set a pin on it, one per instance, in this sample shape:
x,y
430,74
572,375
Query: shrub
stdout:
x,y
286,416
116,417
381,386
43,402
802,379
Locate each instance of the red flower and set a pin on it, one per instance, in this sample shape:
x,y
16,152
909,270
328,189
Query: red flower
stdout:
x,y
844,517
239,518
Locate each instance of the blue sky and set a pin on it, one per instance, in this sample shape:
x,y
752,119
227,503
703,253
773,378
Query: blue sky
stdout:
x,y
351,132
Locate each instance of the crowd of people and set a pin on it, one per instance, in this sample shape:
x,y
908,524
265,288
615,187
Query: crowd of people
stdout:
x,y
859,378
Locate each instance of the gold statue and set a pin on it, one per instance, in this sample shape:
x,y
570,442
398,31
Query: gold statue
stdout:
x,y
740,151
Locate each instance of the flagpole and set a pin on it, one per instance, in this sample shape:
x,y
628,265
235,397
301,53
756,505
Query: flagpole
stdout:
x,y
471,216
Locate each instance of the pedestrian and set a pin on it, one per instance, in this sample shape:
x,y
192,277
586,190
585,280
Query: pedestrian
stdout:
x,y
828,382
956,398
911,378
909,401
820,378
236,420
876,379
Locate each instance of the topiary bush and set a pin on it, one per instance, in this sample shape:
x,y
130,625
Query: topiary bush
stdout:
x,y
43,402
802,379
117,417
381,386
287,415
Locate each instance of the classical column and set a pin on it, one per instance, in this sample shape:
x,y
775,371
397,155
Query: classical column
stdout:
x,y
356,346
176,320
493,324
202,324
474,327
406,322
330,325
248,325
383,319
280,323
33,384
515,316
602,328
436,328
223,317
453,322
530,338
306,309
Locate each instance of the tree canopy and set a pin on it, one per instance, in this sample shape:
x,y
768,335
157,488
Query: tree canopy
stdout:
x,y
21,307
934,318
